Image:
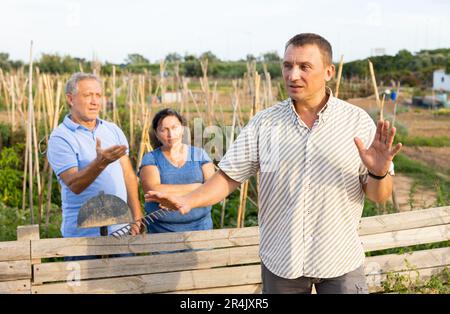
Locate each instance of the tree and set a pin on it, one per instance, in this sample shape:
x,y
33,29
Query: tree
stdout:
x,y
173,57
4,61
189,57
271,56
250,57
136,59
210,56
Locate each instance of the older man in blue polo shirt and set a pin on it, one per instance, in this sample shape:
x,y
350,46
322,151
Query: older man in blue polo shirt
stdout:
x,y
90,155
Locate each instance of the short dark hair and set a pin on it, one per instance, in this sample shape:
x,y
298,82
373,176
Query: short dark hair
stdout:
x,y
313,39
159,116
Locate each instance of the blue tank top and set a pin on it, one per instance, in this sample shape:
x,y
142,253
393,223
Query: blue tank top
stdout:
x,y
190,172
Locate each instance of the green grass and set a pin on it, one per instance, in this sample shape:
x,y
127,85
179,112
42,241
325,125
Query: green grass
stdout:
x,y
434,141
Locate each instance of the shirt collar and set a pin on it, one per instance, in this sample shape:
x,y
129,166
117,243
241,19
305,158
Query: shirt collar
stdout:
x,y
71,125
325,112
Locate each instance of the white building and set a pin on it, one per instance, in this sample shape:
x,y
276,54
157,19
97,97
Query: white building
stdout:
x,y
441,81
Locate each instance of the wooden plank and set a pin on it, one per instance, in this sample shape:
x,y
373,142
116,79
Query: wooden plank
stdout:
x,y
244,289
381,241
29,232
377,265
17,286
209,239
405,220
14,250
156,283
138,265
15,270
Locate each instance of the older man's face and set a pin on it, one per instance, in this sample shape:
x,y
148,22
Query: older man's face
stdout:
x,y
305,72
85,104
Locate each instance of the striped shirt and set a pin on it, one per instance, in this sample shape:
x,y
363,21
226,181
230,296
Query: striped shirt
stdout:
x,y
310,190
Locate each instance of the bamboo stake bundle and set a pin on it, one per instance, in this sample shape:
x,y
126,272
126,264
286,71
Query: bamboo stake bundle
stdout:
x,y
20,92
204,83
255,100
162,79
230,138
177,90
53,124
338,82
114,100
195,103
268,100
244,186
185,98
130,106
6,96
143,106
215,100
13,105
145,139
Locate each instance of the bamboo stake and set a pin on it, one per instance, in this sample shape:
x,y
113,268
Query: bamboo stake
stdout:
x,y
338,82
29,132
374,83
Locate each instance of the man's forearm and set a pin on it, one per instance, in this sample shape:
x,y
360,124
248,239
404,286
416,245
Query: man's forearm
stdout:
x,y
379,190
212,191
79,180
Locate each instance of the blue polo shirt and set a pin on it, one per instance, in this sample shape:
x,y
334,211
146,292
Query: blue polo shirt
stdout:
x,y
73,145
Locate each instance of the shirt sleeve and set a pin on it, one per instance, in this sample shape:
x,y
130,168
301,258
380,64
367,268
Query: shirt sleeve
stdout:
x,y
61,155
147,160
205,158
241,161
122,138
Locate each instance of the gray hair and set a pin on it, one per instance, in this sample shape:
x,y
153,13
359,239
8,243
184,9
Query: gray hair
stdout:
x,y
72,83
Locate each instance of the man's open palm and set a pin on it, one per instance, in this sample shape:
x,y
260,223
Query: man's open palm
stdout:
x,y
377,158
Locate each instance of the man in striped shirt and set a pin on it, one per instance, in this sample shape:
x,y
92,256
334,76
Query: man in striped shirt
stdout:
x,y
315,171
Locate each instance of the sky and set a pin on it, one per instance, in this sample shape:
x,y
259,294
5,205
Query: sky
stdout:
x,y
231,29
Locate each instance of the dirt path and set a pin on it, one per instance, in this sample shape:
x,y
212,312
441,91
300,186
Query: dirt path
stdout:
x,y
419,198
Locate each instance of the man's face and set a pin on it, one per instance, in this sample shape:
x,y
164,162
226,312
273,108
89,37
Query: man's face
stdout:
x,y
305,72
85,104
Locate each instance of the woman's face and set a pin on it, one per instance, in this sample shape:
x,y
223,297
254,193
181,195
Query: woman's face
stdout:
x,y
170,131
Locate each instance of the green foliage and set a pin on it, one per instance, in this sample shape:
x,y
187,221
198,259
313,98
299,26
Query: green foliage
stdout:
x,y
136,59
411,70
271,56
410,283
5,134
54,63
11,177
7,64
10,218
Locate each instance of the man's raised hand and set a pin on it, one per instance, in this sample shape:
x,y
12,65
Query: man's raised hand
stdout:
x,y
109,155
377,158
